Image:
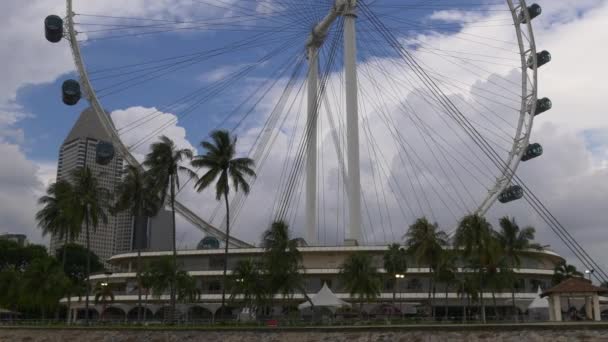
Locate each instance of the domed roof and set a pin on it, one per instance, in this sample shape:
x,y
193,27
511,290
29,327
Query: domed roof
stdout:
x,y
208,242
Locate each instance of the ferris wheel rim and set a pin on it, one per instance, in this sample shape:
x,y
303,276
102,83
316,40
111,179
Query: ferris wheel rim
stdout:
x,y
520,140
528,103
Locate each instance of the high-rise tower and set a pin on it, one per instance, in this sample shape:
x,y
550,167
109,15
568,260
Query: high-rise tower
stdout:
x,y
79,149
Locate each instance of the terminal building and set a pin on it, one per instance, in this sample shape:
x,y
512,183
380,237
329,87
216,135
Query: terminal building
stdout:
x,y
320,266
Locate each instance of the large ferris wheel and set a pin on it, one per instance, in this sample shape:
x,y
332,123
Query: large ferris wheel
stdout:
x,y
411,108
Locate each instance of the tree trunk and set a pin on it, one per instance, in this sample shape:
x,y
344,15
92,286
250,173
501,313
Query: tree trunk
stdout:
x,y
394,295
63,256
226,248
446,301
495,306
138,242
146,308
430,304
433,299
139,303
481,301
88,284
173,278
515,315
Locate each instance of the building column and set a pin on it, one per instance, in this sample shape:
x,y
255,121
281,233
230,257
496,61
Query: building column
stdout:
x,y
596,307
551,310
588,308
557,307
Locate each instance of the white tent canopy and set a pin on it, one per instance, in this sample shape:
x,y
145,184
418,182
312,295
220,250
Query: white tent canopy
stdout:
x,y
324,298
538,302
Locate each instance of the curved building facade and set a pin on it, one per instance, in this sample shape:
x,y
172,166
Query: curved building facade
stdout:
x,y
320,265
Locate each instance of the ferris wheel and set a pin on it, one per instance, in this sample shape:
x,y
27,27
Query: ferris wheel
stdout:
x,y
388,110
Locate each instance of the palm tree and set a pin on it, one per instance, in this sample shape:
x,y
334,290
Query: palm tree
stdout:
x,y
360,278
136,195
515,241
395,263
467,288
563,271
57,215
425,243
446,273
220,162
147,282
163,163
90,206
43,284
248,280
103,295
474,236
163,277
282,261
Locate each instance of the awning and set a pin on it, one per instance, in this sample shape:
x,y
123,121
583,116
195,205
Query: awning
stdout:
x,y
538,302
324,298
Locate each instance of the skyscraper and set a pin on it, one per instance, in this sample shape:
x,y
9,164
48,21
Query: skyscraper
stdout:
x,y
79,149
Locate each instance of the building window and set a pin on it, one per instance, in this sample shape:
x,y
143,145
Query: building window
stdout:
x,y
216,262
326,281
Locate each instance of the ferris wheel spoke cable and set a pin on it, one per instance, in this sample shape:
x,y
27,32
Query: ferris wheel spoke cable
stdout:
x,y
266,135
581,254
212,94
163,70
427,98
379,94
270,134
168,107
176,65
186,112
268,84
406,108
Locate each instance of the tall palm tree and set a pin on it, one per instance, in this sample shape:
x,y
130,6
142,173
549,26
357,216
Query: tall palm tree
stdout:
x,y
163,164
395,262
103,295
514,241
91,204
563,271
446,273
57,216
360,278
282,261
248,280
466,289
163,277
136,195
474,236
425,242
220,162
43,284
147,282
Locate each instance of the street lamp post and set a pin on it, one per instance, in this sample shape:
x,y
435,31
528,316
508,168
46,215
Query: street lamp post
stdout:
x,y
399,276
589,272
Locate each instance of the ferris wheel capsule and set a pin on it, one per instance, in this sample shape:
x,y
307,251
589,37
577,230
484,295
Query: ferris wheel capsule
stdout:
x,y
534,11
70,92
542,58
532,151
543,105
53,28
511,194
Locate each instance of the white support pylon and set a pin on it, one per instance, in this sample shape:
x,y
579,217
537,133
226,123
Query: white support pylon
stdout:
x,y
352,121
311,153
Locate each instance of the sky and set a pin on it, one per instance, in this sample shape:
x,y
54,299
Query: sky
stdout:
x,y
259,46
